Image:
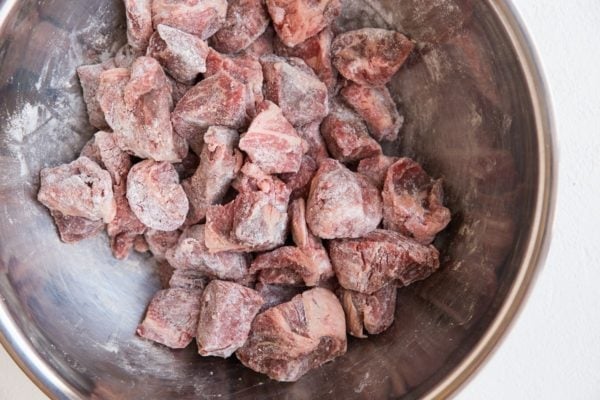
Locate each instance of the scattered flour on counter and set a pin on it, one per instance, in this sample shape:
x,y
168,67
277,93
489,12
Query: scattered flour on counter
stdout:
x,y
25,121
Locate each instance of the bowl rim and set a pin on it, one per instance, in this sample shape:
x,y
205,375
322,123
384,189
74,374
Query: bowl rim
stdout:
x,y
48,380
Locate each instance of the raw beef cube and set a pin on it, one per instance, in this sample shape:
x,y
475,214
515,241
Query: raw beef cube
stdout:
x,y
316,53
226,313
74,229
292,338
373,313
182,55
191,253
137,108
370,56
260,221
246,21
376,106
188,278
308,243
220,162
89,77
79,189
293,85
297,20
199,17
217,100
104,150
254,221
299,182
379,258
274,295
155,195
346,135
286,265
271,142
244,68
311,133
413,203
263,45
188,166
172,317
125,227
139,23
161,241
375,168
342,204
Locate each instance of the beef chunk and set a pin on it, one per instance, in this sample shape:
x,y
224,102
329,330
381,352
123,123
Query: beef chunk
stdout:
x,y
370,56
172,317
379,258
413,203
139,23
274,295
75,229
263,45
311,133
201,18
217,100
346,135
244,68
137,108
316,53
286,265
271,142
375,168
308,243
124,229
297,20
182,55
246,21
293,85
255,221
376,106
89,77
155,195
191,253
79,189
161,241
373,313
292,338
220,162
104,150
299,182
226,313
342,204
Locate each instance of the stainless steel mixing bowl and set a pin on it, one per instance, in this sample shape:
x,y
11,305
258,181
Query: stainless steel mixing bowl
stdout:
x,y
476,115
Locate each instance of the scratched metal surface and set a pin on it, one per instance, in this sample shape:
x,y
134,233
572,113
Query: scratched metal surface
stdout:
x,y
71,310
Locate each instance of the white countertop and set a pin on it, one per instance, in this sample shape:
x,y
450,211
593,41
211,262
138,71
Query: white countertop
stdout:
x,y
553,350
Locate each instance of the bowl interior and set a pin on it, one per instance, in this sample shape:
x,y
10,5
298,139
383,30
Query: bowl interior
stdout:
x,y
70,311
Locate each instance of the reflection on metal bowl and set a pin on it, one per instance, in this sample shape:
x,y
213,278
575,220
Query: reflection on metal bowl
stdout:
x,y
476,115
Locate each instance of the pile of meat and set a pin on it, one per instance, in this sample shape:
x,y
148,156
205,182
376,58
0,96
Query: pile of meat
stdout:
x,y
240,143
